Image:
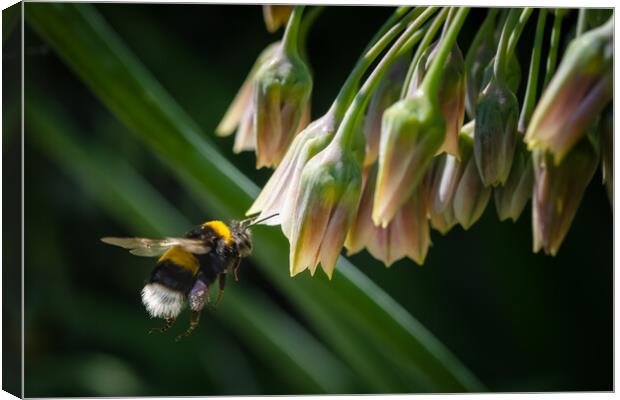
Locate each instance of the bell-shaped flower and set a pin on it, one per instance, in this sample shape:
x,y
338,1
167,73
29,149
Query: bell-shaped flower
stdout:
x,y
324,208
282,188
471,195
558,189
275,16
451,92
443,181
407,235
386,94
576,94
495,132
282,89
412,131
442,221
510,199
240,113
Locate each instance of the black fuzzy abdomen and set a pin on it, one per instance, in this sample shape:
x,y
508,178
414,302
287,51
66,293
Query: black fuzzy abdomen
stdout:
x,y
172,276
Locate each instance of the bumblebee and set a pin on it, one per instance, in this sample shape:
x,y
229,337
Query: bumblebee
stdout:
x,y
188,267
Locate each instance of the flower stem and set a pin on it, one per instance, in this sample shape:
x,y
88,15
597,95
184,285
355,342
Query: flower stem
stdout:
x,y
485,30
291,34
532,80
499,67
554,47
428,38
346,132
350,87
518,29
581,22
432,80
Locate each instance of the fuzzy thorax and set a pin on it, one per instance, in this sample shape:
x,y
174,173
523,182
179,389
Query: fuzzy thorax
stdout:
x,y
161,302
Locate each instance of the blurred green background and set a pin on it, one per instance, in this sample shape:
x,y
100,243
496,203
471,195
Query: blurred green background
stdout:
x,y
121,102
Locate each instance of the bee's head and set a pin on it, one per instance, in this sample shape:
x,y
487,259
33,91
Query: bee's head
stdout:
x,y
242,237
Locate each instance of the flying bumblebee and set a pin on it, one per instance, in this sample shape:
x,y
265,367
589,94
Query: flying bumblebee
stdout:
x,y
189,266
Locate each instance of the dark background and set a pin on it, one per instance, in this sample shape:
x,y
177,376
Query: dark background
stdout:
x,y
519,321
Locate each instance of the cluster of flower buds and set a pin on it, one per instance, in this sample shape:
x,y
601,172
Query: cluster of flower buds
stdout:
x,y
395,155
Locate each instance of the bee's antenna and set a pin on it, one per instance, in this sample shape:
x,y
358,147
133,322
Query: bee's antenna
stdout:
x,y
256,222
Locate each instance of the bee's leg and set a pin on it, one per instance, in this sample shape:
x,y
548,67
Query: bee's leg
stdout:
x,y
220,294
193,323
235,269
167,325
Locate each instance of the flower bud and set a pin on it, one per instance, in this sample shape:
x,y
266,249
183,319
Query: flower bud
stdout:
x,y
576,94
471,195
283,185
241,112
407,235
558,190
386,94
444,182
275,16
451,92
495,132
443,221
510,199
324,208
412,131
282,88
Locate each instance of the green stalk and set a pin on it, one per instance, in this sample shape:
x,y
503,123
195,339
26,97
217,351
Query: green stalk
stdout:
x,y
532,80
499,67
428,38
432,80
347,93
554,47
345,133
449,20
518,29
581,22
291,34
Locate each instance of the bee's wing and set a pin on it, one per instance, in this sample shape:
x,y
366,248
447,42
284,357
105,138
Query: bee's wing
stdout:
x,y
154,247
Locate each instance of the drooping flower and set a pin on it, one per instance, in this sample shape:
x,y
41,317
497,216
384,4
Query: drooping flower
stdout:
x,y
407,235
558,189
240,113
444,220
282,187
443,182
386,94
578,92
510,199
282,90
411,133
471,195
324,208
495,132
451,92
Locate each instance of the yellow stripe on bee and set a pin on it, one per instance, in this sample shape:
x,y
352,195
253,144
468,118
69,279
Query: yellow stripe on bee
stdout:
x,y
221,229
181,258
